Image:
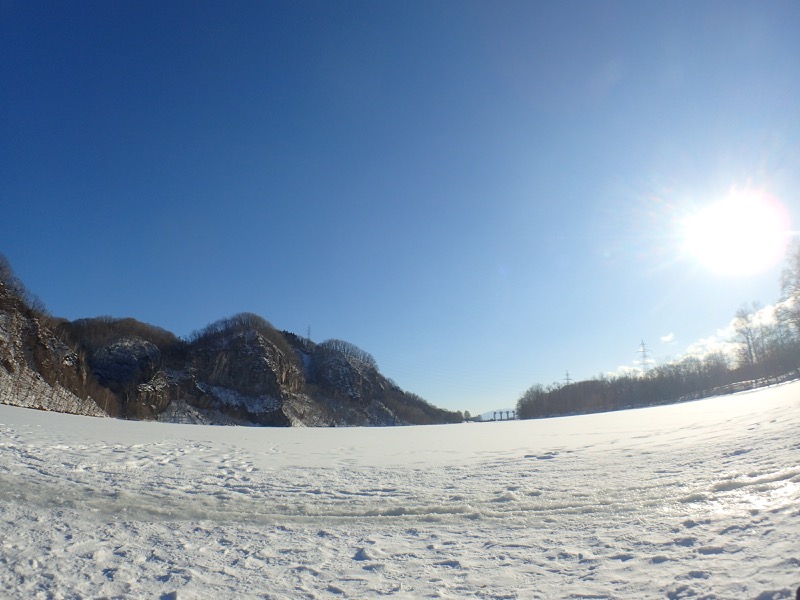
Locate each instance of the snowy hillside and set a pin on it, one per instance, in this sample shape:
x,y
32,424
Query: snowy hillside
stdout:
x,y
236,371
700,499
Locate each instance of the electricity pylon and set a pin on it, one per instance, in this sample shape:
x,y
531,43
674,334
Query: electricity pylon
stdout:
x,y
643,352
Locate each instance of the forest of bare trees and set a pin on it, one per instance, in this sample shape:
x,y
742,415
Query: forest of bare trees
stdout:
x,y
768,351
238,323
349,350
14,288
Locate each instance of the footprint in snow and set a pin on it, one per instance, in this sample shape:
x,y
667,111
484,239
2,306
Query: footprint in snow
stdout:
x,y
624,557
545,456
367,554
737,452
709,550
452,564
336,590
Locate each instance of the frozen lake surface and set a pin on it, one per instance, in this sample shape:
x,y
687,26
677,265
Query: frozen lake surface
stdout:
x,y
694,500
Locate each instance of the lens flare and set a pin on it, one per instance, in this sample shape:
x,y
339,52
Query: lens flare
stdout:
x,y
744,234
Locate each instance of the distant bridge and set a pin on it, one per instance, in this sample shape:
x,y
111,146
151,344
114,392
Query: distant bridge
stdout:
x,y
502,415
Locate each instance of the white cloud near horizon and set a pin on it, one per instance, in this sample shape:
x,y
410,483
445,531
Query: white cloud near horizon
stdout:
x,y
723,341
623,370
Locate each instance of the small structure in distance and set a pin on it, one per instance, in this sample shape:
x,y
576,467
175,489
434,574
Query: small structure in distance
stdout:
x,y
505,414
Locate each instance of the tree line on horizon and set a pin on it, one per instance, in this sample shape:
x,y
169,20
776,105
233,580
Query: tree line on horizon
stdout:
x,y
767,352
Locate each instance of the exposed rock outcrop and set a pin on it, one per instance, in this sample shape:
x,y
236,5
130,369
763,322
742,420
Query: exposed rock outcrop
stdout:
x,y
239,370
38,370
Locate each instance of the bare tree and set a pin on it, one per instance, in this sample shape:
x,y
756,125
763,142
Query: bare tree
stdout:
x,y
748,333
789,311
11,283
350,350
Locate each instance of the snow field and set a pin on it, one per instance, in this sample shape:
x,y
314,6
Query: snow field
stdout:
x,y
694,500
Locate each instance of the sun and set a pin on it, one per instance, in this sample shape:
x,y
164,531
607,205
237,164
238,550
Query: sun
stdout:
x,y
744,234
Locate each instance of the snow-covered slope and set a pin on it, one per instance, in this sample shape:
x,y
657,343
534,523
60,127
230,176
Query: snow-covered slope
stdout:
x,y
699,500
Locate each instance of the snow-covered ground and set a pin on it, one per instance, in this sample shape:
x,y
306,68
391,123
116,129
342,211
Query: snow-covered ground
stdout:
x,y
695,500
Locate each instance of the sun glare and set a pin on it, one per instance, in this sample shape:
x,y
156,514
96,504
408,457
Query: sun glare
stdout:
x,y
744,234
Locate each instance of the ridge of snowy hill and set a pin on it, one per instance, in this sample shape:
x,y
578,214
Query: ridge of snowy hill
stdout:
x,y
694,500
236,371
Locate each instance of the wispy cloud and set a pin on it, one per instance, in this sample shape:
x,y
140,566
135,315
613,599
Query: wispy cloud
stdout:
x,y
724,340
722,343
637,368
624,370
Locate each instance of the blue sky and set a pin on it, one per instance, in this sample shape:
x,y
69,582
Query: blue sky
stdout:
x,y
482,195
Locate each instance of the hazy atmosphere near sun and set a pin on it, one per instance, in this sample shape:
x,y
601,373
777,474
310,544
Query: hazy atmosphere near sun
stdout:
x,y
481,195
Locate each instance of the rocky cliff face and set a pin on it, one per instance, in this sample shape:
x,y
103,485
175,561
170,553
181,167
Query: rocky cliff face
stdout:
x,y
38,370
239,370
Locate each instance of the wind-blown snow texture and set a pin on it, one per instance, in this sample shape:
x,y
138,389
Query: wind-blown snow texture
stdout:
x,y
694,500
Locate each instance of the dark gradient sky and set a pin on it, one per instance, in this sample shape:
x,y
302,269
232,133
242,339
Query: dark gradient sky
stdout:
x,y
480,194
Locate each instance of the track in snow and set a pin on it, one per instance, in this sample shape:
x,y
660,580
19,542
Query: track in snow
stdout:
x,y
701,499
